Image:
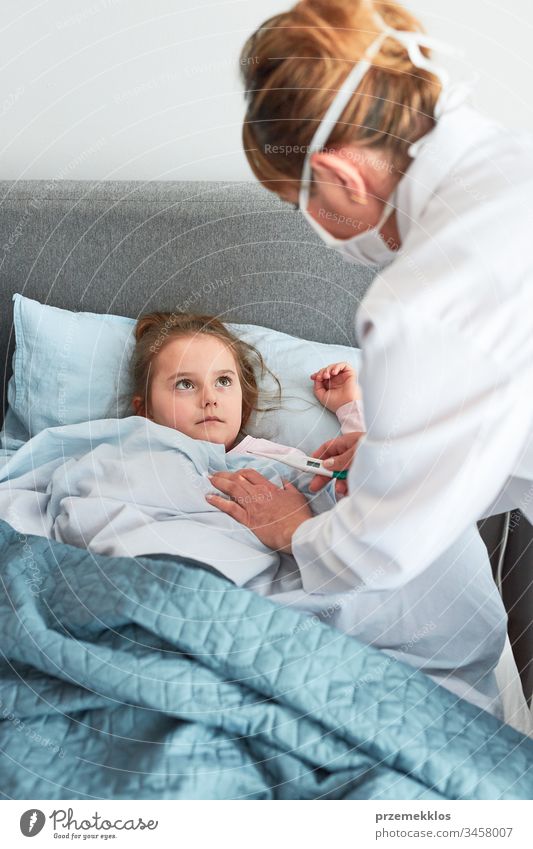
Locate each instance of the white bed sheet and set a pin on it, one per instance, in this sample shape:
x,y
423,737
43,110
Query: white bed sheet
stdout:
x,y
515,708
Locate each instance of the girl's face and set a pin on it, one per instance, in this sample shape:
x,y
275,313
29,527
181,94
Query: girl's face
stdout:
x,y
196,389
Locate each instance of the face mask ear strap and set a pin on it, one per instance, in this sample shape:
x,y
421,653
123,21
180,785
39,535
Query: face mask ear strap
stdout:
x,y
413,43
336,108
412,40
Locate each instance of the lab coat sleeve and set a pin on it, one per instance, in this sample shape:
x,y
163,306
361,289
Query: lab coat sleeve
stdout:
x,y
445,425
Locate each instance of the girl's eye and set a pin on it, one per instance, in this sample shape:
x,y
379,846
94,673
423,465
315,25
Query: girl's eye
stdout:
x,y
180,384
226,380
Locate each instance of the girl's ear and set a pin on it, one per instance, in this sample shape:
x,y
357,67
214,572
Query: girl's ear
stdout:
x,y
138,405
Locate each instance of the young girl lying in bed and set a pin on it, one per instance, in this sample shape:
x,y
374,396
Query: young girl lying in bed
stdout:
x,y
192,374
137,486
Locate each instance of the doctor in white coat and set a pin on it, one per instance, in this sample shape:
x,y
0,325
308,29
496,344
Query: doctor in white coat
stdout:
x,y
446,328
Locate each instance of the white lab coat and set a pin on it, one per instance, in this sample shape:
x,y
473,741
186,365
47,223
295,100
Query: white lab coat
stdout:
x,y
446,332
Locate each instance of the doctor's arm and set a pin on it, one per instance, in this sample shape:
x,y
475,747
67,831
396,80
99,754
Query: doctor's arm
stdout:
x,y
445,425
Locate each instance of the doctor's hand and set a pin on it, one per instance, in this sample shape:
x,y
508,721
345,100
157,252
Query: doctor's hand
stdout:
x,y
271,512
339,454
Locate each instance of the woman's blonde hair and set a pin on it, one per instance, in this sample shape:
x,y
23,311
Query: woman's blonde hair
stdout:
x,y
294,64
154,330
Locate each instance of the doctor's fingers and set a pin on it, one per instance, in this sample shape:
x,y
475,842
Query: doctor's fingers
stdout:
x,y
318,482
232,508
232,484
341,488
249,479
255,478
335,448
320,453
339,463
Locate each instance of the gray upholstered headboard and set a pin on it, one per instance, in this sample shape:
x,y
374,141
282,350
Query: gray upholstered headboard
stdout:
x,y
230,249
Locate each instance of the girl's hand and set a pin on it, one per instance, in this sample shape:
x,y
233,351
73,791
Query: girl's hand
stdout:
x,y
271,512
336,385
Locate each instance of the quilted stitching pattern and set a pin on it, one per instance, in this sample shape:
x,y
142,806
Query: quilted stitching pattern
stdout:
x,y
144,678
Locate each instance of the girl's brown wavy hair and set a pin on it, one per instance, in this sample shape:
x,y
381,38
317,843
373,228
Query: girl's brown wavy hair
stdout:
x,y
154,330
293,66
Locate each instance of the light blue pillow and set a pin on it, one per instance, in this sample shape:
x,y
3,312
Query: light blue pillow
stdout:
x,y
71,367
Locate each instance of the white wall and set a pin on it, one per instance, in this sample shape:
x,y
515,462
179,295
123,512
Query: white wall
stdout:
x,y
149,89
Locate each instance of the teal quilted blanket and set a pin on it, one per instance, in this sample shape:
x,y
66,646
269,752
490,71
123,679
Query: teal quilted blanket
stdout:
x,y
154,678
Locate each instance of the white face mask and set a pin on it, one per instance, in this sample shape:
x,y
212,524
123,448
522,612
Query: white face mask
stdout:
x,y
367,248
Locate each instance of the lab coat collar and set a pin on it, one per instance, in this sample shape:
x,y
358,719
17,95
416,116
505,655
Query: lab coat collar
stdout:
x,y
459,128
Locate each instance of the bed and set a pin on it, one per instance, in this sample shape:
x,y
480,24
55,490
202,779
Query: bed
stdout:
x,y
259,717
